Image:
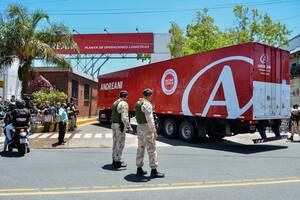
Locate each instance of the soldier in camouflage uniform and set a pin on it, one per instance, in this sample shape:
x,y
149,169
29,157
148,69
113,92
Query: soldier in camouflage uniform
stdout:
x,y
120,124
146,135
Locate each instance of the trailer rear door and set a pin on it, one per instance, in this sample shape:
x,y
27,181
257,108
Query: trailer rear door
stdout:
x,y
271,89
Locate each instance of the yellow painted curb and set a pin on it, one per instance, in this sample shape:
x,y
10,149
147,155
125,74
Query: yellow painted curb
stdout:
x,y
86,121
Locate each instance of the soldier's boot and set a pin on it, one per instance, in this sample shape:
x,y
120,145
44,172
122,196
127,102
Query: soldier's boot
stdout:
x,y
122,164
119,164
156,174
115,164
140,172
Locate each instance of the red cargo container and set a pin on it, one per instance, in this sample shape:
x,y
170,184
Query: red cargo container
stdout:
x,y
221,92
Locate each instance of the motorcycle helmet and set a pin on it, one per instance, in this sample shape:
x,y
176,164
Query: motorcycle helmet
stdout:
x,y
20,104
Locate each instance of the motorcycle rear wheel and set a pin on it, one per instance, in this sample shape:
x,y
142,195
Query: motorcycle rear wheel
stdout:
x,y
22,149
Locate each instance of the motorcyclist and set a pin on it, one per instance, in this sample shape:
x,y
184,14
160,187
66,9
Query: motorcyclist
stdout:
x,y
8,124
20,118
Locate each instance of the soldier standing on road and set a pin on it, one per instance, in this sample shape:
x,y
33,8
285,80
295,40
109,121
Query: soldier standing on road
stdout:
x,y
147,135
120,124
294,122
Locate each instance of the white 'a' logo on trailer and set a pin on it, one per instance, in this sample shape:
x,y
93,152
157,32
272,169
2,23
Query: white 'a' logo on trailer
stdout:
x,y
226,79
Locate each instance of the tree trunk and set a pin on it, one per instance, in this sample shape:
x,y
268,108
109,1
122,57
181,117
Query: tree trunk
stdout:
x,y
24,76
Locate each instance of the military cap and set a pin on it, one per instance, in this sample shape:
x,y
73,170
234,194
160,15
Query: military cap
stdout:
x,y
147,92
123,93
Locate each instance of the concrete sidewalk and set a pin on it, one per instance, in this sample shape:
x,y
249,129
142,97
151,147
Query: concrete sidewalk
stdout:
x,y
80,121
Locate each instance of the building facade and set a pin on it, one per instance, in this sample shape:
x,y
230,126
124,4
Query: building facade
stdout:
x,y
76,85
294,48
11,83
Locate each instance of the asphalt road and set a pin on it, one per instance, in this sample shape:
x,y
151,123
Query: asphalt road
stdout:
x,y
224,170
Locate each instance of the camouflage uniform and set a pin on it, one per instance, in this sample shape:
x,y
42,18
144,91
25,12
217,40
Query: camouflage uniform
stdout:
x,y
146,138
118,135
294,122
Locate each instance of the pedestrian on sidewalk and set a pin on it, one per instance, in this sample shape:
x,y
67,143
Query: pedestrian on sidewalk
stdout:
x,y
75,112
71,116
147,135
34,111
63,120
47,118
294,122
120,125
54,114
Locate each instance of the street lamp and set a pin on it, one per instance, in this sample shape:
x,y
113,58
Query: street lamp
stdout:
x,y
105,30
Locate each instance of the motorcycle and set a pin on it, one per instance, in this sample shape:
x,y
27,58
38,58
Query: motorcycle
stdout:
x,y
20,140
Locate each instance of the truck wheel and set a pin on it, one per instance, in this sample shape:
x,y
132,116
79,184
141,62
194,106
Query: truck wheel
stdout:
x,y
158,125
187,131
170,128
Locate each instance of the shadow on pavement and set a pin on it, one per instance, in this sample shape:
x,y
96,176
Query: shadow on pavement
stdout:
x,y
224,145
110,167
108,125
8,154
103,124
136,179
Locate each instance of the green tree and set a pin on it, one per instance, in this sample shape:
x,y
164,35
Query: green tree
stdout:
x,y
144,57
177,40
253,26
53,96
24,40
203,34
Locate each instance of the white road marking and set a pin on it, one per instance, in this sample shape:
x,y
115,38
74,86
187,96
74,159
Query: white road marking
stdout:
x,y
130,135
77,135
108,135
98,135
54,135
45,135
34,135
88,135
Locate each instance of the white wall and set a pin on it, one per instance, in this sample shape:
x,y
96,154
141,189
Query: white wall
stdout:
x,y
161,49
295,91
12,85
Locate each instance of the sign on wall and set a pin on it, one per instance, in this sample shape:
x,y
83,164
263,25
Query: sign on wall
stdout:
x,y
1,84
111,43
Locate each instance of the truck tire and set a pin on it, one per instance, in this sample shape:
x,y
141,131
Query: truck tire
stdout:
x,y
170,128
158,125
187,131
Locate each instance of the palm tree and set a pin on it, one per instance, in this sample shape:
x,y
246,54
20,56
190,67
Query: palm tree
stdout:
x,y
27,36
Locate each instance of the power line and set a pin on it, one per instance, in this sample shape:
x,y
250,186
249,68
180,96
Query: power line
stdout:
x,y
153,11
39,2
287,18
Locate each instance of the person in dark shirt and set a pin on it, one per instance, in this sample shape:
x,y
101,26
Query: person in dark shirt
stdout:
x,y
19,117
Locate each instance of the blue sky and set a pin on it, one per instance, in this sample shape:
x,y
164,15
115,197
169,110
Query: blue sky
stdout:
x,y
92,16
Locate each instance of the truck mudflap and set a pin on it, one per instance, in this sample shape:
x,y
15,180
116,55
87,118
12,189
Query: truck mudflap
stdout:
x,y
261,140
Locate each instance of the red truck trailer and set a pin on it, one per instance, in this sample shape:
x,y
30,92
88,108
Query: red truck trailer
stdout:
x,y
218,93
